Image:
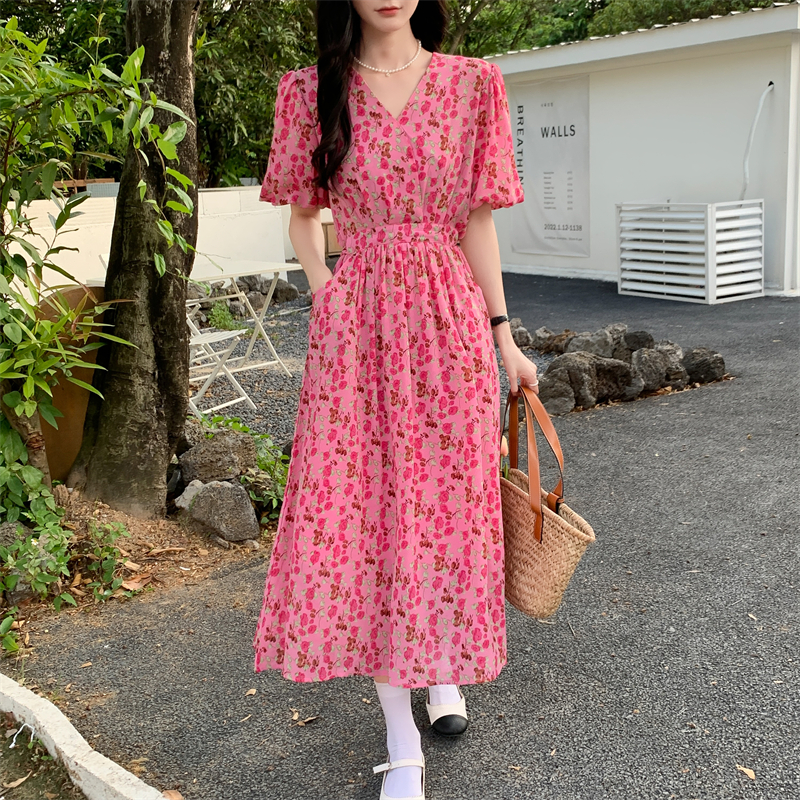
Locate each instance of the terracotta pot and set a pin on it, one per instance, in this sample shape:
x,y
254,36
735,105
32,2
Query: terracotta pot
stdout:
x,y
63,444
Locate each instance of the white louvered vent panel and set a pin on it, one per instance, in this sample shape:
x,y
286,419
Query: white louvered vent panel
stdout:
x,y
700,253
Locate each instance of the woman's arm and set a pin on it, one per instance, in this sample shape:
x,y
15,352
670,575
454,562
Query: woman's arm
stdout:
x,y
483,255
308,240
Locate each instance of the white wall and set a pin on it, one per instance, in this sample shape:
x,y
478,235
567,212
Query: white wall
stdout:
x,y
232,223
673,125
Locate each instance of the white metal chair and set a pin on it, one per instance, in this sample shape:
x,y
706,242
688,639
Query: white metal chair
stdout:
x,y
206,364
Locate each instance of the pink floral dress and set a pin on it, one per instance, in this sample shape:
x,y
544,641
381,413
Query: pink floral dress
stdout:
x,y
388,559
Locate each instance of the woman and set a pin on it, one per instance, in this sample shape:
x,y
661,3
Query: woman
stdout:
x,y
388,560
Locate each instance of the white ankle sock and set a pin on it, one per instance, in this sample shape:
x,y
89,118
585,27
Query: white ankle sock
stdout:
x,y
402,740
445,694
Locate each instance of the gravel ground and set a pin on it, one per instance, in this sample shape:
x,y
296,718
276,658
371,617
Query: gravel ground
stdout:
x,y
274,393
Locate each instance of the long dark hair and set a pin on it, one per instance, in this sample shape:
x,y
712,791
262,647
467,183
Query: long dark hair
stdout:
x,y
338,38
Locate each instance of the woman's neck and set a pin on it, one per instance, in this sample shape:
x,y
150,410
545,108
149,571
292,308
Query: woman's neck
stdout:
x,y
387,50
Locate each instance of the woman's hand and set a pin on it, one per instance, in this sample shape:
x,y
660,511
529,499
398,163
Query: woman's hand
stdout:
x,y
519,368
319,279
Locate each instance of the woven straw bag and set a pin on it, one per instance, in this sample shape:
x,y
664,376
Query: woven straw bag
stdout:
x,y
544,538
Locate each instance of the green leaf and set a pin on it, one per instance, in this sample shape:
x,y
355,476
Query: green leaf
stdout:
x,y
180,177
13,331
48,176
130,118
175,133
185,199
161,265
169,107
108,131
10,643
178,207
109,113
46,413
142,187
12,399
5,625
145,117
84,385
31,476
168,149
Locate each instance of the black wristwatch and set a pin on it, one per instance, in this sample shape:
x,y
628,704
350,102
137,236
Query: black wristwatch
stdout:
x,y
495,321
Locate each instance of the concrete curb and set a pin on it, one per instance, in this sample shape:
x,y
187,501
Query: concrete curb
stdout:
x,y
97,776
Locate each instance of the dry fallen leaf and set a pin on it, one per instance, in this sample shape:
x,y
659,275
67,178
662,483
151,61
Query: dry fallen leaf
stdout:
x,y
512,766
303,722
753,617
166,550
172,794
249,692
14,784
295,714
202,552
87,664
750,774
137,582
246,718
130,565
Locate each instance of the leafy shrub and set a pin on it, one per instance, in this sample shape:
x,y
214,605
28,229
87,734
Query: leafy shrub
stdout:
x,y
220,317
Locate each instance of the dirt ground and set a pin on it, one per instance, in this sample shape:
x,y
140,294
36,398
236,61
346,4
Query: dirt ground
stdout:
x,y
157,556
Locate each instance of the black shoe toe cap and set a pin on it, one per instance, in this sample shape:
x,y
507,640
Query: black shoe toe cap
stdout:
x,y
451,725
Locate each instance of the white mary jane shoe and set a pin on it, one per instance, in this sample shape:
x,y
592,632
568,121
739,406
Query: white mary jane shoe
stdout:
x,y
401,762
448,719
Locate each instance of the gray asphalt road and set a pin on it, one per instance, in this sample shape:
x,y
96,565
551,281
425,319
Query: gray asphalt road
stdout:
x,y
673,659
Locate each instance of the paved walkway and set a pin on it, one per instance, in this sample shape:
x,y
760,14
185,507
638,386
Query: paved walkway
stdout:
x,y
674,657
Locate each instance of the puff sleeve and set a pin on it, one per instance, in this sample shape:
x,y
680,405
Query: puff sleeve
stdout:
x,y
494,172
290,173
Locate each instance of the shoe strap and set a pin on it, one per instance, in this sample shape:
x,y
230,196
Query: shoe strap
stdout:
x,y
401,762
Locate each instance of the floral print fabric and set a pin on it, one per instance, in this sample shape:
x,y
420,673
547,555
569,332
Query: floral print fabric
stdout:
x,y
388,559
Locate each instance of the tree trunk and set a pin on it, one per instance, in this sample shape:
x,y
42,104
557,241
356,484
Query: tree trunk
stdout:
x,y
131,435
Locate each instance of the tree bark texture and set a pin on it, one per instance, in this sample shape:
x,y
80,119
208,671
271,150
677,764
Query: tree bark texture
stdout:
x,y
131,435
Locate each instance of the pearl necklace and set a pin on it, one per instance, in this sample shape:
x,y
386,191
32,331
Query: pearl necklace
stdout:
x,y
388,72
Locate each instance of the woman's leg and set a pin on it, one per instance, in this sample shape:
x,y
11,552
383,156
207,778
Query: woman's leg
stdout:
x,y
446,694
402,740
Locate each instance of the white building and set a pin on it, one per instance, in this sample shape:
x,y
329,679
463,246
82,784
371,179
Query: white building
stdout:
x,y
666,114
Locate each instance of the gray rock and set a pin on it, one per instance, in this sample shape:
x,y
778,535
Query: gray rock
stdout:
x,y
227,455
224,509
617,332
600,343
238,309
558,343
636,340
703,365
9,534
284,292
541,336
195,291
676,376
555,392
514,323
521,337
189,493
257,300
193,434
174,482
252,544
593,379
651,366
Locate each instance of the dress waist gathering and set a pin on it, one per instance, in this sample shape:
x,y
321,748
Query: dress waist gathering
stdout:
x,y
397,233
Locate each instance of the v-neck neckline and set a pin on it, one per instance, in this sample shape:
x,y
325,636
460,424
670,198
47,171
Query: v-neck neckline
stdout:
x,y
411,98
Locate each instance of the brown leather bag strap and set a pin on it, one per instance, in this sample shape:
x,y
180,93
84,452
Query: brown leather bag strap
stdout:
x,y
534,410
